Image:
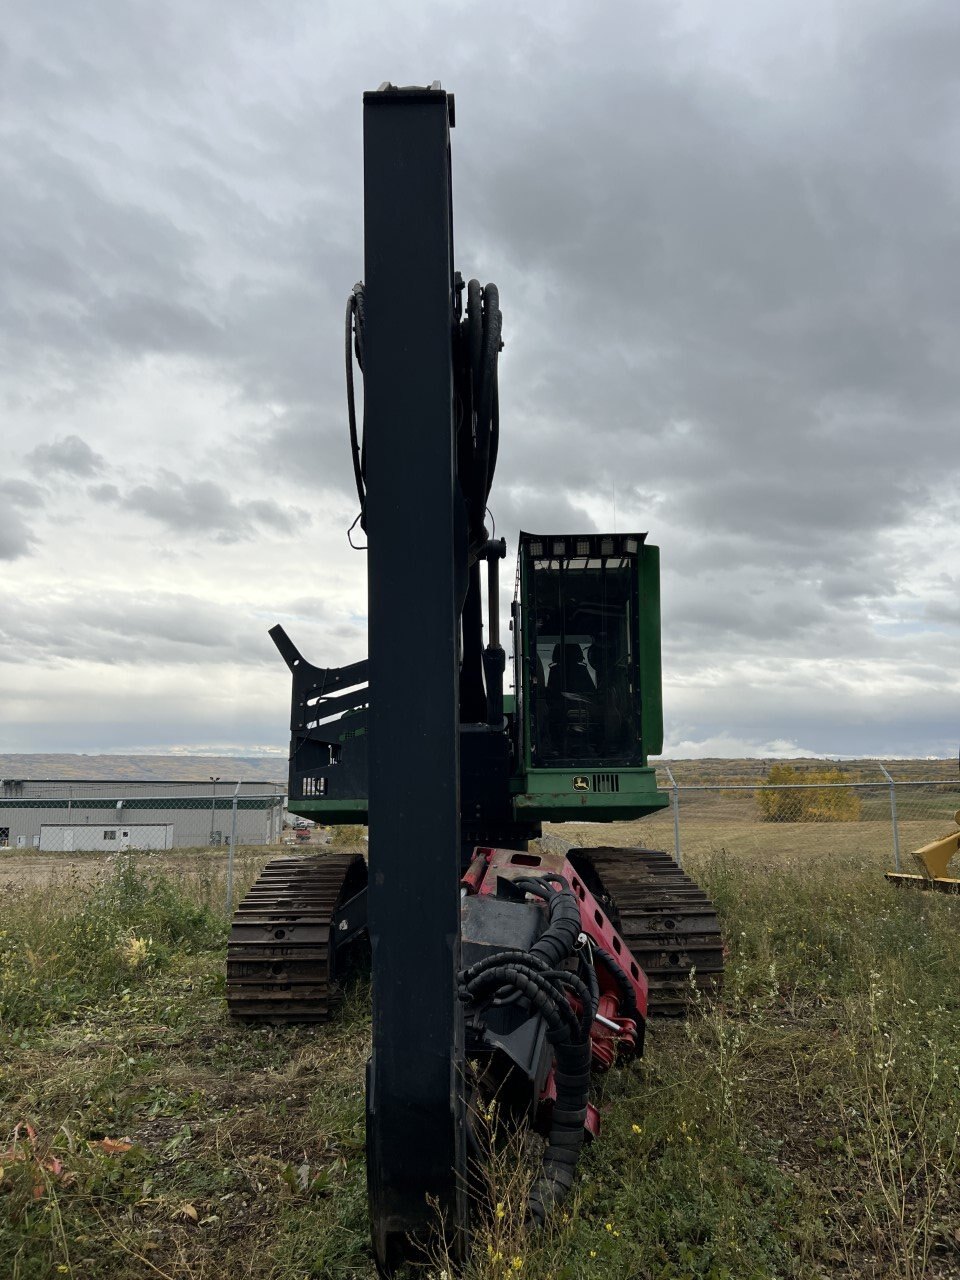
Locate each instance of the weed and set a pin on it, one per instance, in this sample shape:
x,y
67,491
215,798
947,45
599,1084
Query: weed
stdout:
x,y
348,836
60,948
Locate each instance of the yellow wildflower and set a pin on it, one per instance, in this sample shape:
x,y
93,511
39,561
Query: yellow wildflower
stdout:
x,y
135,951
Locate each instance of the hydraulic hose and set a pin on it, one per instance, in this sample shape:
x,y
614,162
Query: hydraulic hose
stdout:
x,y
628,1003
535,977
536,989
572,1078
590,977
353,343
546,980
475,354
481,332
558,941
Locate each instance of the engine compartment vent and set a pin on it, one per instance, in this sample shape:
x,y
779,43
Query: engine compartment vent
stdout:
x,y
606,782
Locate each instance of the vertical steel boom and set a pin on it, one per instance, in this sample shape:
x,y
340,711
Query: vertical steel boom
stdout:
x,y
416,534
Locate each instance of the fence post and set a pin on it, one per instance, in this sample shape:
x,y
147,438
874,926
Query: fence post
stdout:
x,y
233,845
676,816
893,817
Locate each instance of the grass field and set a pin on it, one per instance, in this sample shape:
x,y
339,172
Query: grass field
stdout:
x,y
806,1125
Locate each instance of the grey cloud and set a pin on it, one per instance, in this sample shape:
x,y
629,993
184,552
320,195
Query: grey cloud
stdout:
x,y
89,272
139,322
16,538
310,443
192,506
537,509
155,629
152,628
268,512
104,492
944,611
21,493
728,258
718,614
69,454
826,719
803,301
136,722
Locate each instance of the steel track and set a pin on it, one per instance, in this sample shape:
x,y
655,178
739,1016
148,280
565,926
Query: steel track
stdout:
x,y
665,918
283,963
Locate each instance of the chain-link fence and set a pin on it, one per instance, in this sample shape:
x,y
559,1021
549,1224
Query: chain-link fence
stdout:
x,y
59,817
812,809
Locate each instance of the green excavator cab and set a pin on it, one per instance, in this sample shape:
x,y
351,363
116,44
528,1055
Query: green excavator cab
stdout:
x,y
588,709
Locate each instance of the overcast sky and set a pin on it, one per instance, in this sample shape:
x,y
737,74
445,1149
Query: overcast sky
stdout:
x,y
727,239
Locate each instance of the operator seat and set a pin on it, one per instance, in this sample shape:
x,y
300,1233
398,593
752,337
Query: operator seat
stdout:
x,y
570,716
569,672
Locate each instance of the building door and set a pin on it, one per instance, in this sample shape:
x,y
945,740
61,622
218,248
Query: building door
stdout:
x,y
4,837
124,839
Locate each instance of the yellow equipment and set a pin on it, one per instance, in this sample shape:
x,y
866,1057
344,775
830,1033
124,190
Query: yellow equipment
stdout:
x,y
933,860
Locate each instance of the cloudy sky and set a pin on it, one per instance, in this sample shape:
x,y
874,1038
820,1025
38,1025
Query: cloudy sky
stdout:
x,y
727,239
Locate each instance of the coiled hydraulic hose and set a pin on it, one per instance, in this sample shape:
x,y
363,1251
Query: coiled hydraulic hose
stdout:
x,y
535,977
558,941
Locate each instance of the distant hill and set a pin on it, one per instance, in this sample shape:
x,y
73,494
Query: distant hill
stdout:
x,y
145,768
274,768
748,771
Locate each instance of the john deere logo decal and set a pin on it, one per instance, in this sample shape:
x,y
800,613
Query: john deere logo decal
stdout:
x,y
580,783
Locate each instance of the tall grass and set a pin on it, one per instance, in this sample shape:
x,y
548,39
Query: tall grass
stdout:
x,y
70,943
861,978
804,1125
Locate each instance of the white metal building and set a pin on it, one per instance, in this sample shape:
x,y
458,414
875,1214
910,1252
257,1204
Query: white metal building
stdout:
x,y
65,816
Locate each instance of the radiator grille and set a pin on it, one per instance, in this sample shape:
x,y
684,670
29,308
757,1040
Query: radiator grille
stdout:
x,y
606,782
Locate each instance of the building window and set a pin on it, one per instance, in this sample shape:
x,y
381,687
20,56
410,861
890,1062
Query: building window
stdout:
x,y
110,835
